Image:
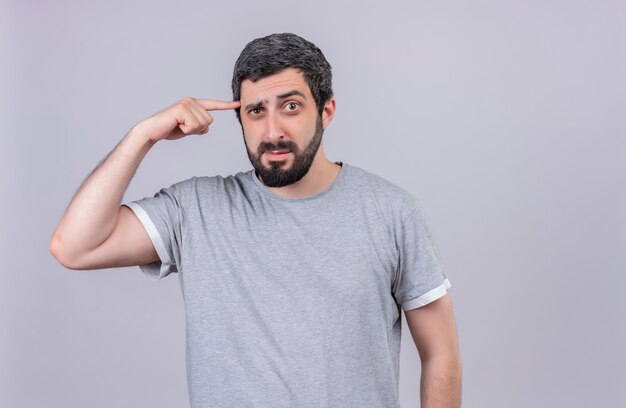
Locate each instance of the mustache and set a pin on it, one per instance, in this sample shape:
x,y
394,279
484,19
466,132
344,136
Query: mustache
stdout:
x,y
282,145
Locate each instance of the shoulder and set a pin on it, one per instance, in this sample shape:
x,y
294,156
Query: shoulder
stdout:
x,y
227,182
388,195
222,187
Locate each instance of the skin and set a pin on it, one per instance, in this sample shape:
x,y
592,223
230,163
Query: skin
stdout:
x,y
270,120
433,329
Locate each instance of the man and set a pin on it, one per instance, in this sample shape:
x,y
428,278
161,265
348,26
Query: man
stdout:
x,y
293,274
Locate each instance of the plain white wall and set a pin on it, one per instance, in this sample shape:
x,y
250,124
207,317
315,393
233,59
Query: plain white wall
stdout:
x,y
505,118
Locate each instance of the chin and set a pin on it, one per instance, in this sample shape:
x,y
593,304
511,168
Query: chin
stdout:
x,y
281,164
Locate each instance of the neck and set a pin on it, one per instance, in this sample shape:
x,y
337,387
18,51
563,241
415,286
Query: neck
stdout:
x,y
319,177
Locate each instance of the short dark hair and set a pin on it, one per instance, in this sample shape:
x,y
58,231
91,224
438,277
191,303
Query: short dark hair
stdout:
x,y
268,55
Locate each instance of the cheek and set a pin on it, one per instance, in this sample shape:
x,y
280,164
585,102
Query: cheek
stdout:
x,y
306,128
248,132
297,126
251,128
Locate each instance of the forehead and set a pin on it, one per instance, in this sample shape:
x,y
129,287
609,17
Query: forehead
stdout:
x,y
268,87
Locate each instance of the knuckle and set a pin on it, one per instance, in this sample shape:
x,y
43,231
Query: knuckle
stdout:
x,y
190,126
186,100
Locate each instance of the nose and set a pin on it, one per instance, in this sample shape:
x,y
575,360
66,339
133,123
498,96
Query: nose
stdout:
x,y
274,131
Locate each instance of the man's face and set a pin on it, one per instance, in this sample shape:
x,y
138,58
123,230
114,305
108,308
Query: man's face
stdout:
x,y
281,127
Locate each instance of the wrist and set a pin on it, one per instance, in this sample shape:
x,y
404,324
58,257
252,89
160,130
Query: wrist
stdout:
x,y
140,136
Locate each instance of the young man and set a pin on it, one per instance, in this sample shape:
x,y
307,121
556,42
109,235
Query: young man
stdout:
x,y
293,273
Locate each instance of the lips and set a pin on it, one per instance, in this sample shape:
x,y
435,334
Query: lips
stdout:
x,y
276,154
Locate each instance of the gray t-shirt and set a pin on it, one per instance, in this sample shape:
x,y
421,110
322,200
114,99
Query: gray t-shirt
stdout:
x,y
293,302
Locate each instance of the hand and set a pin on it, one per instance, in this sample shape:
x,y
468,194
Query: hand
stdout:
x,y
188,116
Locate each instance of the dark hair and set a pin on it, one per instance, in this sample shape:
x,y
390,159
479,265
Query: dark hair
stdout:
x,y
268,55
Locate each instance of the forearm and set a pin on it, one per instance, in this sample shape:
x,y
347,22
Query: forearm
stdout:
x,y
92,213
440,384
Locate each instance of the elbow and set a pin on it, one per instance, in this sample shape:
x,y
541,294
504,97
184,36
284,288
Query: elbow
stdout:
x,y
450,363
59,255
458,368
453,362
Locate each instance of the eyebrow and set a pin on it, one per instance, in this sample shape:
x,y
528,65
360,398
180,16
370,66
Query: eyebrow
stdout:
x,y
291,93
258,104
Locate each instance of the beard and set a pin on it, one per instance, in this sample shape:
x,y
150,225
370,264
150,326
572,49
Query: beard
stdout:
x,y
275,175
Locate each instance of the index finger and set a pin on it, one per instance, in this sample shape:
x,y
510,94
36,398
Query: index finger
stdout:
x,y
216,104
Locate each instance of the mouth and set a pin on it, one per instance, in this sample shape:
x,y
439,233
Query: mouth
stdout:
x,y
277,154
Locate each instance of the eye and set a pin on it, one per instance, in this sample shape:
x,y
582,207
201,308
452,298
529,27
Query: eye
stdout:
x,y
255,111
292,106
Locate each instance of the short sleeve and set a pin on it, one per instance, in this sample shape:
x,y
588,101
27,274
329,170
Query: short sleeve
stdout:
x,y
163,216
420,278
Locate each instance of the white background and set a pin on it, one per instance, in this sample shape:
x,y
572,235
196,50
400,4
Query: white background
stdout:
x,y
505,119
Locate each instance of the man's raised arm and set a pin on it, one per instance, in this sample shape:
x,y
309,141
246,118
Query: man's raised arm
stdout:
x,y
96,231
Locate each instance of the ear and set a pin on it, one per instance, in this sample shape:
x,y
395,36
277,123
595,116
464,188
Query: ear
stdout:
x,y
329,111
